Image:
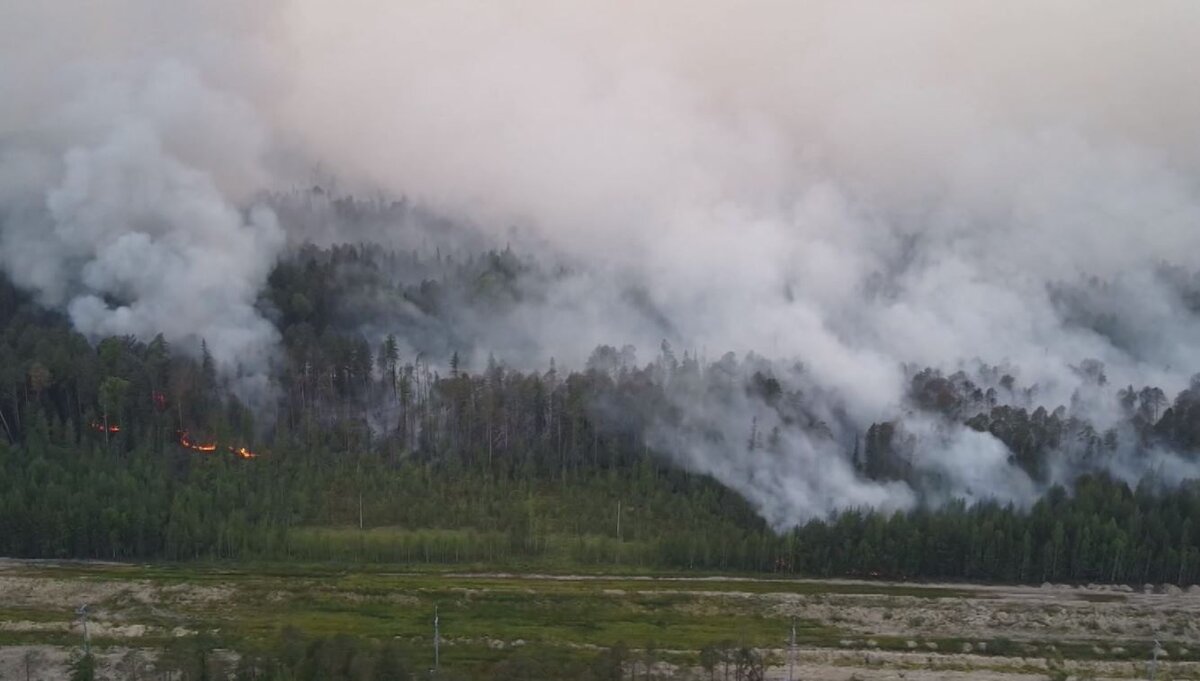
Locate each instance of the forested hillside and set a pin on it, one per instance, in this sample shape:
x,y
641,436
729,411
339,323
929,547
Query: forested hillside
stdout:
x,y
129,449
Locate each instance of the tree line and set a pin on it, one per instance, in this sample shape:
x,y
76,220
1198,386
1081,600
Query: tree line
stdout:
x,y
368,455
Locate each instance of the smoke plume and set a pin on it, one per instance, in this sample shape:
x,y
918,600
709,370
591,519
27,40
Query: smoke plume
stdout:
x,y
852,186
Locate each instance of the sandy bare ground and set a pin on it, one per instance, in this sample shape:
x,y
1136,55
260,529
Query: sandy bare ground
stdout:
x,y
53,662
1029,620
1025,615
1019,613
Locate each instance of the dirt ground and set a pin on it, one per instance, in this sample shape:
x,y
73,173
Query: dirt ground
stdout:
x,y
1020,614
887,633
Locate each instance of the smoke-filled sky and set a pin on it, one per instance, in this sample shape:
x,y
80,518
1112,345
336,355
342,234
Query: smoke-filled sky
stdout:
x,y
856,185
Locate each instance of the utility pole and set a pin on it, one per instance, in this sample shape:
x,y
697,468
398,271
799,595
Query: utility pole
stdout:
x,y
792,650
1152,668
87,640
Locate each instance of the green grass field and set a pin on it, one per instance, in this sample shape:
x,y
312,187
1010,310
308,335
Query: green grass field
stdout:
x,y
490,613
483,617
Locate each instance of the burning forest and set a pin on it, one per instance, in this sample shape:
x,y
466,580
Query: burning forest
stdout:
x,y
393,300
187,442
847,269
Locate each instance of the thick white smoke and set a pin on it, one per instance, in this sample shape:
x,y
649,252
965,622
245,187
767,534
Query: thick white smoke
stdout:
x,y
762,169
853,185
125,174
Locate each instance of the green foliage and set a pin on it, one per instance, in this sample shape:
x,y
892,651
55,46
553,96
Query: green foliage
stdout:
x,y
112,395
83,668
373,459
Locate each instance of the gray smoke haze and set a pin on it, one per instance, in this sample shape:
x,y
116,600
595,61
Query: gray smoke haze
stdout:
x,y
124,174
854,186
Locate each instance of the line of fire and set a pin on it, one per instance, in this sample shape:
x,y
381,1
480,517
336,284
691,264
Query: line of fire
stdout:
x,y
184,438
187,442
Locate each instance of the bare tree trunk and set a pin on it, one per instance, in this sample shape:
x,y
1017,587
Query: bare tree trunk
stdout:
x,y
6,428
78,410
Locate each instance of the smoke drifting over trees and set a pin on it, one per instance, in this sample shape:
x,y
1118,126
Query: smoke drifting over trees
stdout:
x,y
854,192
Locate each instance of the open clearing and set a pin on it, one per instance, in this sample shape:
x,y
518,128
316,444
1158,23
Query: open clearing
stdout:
x,y
845,629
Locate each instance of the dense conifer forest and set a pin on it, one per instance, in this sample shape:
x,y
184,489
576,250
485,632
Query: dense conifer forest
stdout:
x,y
599,341
375,453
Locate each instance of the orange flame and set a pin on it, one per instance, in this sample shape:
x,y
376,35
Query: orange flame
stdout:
x,y
185,441
243,452
99,427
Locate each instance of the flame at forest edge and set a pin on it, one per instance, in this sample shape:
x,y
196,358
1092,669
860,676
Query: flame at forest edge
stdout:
x,y
186,441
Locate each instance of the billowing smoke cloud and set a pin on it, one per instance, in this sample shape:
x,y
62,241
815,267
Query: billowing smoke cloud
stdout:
x,y
855,186
123,195
851,183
